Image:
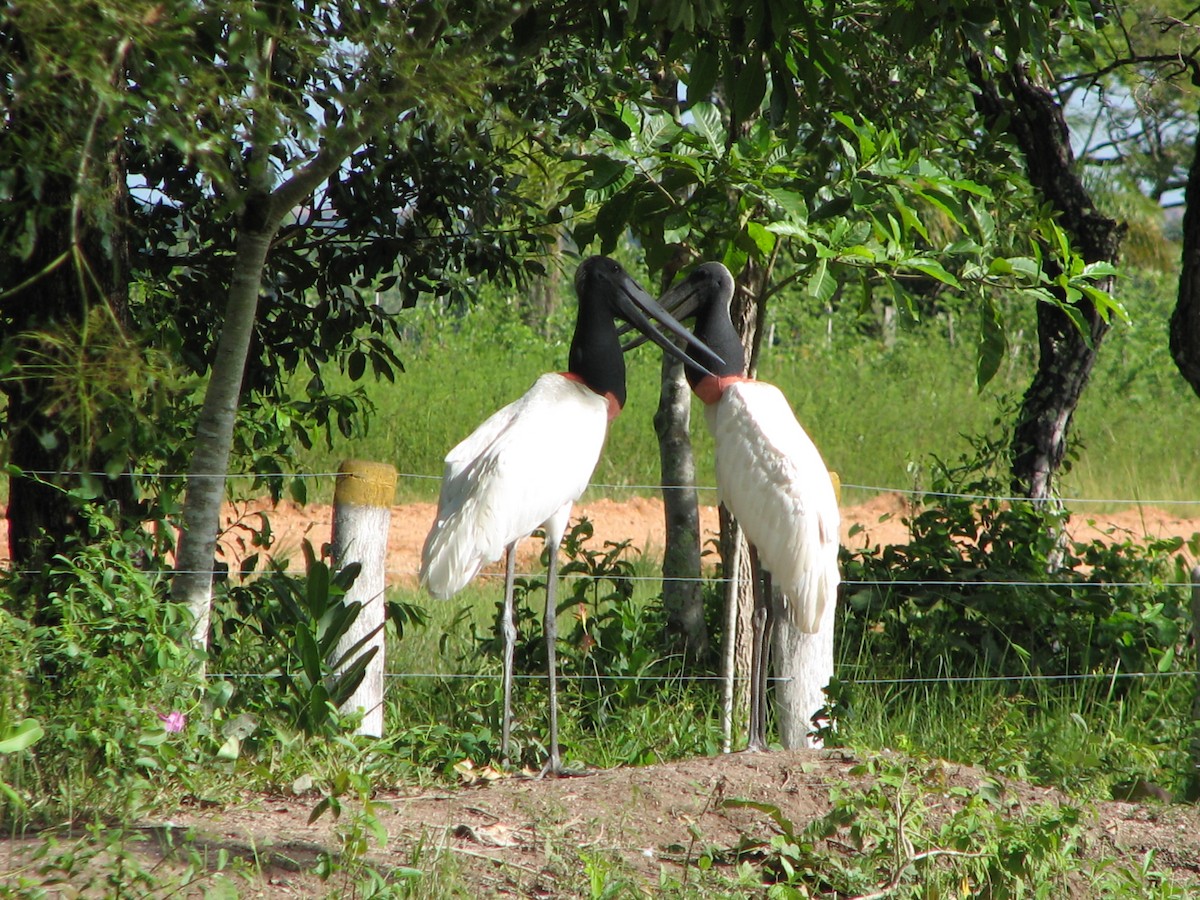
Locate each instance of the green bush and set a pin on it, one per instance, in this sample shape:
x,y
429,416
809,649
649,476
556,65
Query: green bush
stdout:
x,y
992,586
105,673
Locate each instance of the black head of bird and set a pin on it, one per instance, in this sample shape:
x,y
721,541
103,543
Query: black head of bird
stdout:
x,y
607,292
705,294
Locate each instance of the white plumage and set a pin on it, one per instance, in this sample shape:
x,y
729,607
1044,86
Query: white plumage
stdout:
x,y
772,479
527,464
523,468
775,484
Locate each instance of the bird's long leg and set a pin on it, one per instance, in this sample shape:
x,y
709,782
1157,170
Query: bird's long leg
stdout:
x,y
759,646
550,627
508,630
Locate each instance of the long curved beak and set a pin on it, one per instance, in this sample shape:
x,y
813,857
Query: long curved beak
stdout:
x,y
638,309
681,301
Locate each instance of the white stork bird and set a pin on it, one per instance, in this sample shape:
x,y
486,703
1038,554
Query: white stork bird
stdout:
x,y
525,466
772,479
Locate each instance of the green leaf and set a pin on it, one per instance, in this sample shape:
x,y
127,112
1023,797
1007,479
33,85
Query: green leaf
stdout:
x,y
317,587
1100,270
821,284
702,77
603,171
836,207
992,344
934,269
230,749
1167,661
791,203
308,653
749,91
706,122
763,239
18,737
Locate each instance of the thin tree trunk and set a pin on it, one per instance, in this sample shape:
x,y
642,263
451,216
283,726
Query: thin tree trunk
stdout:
x,y
736,555
192,584
261,217
1185,320
1067,354
746,312
683,599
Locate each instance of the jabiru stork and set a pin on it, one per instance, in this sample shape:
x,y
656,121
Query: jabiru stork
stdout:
x,y
772,479
527,464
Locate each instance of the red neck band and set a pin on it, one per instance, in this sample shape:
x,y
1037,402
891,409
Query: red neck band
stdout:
x,y
711,387
614,405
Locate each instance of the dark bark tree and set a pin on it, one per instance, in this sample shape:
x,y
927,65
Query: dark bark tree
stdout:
x,y
1185,320
683,598
1068,341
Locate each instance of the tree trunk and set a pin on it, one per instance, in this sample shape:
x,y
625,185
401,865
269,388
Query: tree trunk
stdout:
x,y
683,599
803,665
746,312
192,584
1035,119
735,555
1185,320
544,291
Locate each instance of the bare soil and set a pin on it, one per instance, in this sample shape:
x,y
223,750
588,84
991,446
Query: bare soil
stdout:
x,y
524,837
640,520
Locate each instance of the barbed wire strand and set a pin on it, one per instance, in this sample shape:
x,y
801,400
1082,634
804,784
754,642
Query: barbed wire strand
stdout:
x,y
583,576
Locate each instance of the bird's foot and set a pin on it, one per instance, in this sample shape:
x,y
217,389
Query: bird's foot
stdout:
x,y
553,767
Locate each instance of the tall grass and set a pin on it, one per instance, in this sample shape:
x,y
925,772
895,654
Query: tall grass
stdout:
x,y
877,410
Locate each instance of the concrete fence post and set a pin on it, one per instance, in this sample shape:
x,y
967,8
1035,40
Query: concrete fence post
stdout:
x,y
362,513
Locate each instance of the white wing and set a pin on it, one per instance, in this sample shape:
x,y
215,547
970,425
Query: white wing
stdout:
x,y
772,479
526,463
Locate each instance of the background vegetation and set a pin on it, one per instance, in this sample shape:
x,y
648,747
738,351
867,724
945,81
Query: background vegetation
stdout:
x,y
871,169
879,408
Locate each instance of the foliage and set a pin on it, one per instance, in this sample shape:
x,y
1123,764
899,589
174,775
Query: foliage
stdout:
x,y
911,833
288,630
617,675
839,150
101,667
989,584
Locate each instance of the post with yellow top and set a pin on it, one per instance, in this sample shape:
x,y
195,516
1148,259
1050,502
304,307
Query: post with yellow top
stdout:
x,y
362,514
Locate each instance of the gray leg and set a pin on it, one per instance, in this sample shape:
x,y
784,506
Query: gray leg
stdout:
x,y
550,626
761,622
508,630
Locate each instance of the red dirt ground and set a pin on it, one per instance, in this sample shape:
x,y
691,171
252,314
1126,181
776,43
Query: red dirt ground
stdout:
x,y
641,521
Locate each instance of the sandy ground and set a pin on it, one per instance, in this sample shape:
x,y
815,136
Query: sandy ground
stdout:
x,y
640,520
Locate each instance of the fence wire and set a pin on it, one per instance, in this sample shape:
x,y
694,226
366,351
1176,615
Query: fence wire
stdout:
x,y
851,486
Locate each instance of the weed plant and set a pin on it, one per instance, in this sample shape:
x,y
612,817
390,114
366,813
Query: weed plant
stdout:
x,y
941,655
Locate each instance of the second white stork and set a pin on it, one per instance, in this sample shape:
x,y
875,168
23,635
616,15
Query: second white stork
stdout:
x,y
527,464
772,479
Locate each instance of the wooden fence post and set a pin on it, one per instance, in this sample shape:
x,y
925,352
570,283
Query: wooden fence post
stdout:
x,y
362,513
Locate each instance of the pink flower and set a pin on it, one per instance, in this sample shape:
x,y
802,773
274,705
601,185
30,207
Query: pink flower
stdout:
x,y
174,721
